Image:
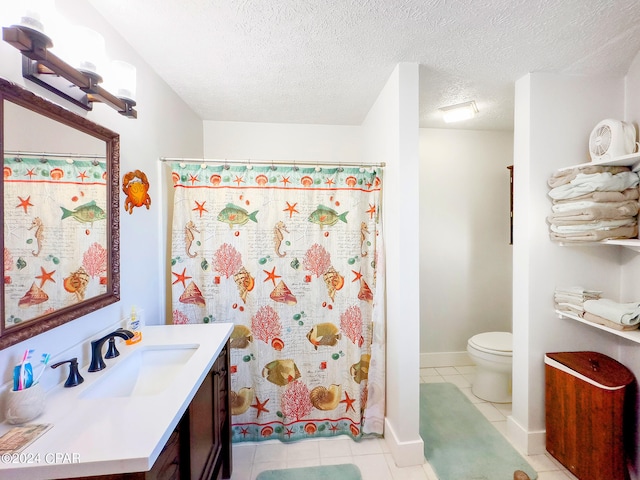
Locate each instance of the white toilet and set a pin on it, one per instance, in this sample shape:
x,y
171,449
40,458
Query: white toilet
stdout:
x,y
492,353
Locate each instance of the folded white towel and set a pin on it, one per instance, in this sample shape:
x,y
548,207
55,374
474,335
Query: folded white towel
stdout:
x,y
577,217
564,176
572,299
622,313
584,204
596,235
590,317
595,182
628,194
568,307
568,297
576,291
597,225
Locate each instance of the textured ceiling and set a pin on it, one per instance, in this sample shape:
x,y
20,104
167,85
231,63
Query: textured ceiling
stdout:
x,y
325,62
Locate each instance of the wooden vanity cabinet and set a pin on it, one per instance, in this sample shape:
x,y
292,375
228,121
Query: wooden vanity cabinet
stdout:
x,y
206,431
167,466
200,446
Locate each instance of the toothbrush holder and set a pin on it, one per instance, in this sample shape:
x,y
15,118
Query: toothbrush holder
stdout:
x,y
22,406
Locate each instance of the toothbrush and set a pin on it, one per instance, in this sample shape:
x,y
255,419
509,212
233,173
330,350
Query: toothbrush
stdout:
x,y
28,375
44,361
27,371
21,380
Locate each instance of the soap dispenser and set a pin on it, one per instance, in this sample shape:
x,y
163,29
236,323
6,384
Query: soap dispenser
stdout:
x,y
74,378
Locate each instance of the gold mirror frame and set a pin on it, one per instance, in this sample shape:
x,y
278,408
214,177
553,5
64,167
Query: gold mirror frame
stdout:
x,y
10,92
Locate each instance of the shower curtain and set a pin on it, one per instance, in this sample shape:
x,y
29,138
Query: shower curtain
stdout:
x,y
294,258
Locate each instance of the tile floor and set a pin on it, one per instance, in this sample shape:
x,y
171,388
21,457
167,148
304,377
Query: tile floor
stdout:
x,y
372,456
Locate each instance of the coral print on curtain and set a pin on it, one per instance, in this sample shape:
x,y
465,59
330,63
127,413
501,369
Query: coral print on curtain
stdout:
x,y
293,257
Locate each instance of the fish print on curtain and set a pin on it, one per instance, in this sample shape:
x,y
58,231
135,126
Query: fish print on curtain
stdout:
x,y
292,256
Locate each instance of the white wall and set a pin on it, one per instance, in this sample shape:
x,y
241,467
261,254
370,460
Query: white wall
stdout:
x,y
465,256
389,134
165,127
288,142
554,117
630,286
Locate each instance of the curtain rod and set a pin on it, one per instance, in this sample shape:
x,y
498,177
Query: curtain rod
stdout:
x,y
249,161
53,155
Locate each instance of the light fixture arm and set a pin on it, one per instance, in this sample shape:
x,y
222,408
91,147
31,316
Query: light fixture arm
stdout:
x,y
40,62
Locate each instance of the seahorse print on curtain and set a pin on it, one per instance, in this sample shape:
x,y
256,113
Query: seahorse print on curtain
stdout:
x,y
294,258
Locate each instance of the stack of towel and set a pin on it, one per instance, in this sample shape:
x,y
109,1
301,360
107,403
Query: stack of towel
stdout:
x,y
594,202
571,300
619,316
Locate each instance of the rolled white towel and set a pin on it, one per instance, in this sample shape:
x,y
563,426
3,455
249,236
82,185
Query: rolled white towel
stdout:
x,y
622,313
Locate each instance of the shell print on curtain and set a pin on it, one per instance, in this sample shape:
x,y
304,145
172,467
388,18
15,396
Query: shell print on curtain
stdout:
x,y
293,257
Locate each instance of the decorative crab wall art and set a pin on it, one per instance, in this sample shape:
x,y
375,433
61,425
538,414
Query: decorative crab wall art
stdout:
x,y
136,186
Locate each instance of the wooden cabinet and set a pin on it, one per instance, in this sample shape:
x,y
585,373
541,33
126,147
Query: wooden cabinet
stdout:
x,y
200,446
587,401
222,419
206,427
167,466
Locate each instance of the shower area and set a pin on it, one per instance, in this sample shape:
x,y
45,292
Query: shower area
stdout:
x,y
386,134
292,255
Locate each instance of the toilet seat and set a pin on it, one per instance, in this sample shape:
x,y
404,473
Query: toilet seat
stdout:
x,y
495,343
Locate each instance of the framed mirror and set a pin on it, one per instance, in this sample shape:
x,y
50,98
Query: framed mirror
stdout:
x,y
60,215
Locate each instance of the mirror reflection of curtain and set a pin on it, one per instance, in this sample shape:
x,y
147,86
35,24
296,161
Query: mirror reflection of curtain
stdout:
x,y
55,234
294,258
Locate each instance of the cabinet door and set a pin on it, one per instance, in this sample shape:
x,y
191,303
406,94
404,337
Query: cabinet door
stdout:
x,y
222,415
202,431
167,466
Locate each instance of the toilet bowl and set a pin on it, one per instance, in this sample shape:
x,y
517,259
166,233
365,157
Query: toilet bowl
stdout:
x,y
492,353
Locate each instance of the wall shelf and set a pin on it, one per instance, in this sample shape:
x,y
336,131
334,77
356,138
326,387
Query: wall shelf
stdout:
x,y
632,161
630,243
632,335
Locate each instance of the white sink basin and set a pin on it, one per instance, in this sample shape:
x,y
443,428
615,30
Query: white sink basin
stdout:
x,y
147,371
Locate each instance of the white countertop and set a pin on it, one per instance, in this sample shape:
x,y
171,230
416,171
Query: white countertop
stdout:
x,y
98,436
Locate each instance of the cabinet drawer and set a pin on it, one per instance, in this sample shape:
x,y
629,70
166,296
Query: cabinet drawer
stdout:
x,y
166,467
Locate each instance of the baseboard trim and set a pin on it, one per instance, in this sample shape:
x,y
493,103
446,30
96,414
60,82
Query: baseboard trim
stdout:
x,y
531,443
445,359
405,454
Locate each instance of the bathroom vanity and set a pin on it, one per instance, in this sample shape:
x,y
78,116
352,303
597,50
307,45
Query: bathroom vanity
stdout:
x,y
158,411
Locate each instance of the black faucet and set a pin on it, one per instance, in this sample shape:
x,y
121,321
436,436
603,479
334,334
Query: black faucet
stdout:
x,y
97,363
74,378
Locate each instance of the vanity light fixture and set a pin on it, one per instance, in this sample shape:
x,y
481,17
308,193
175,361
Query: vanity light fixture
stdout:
x,y
459,112
46,69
